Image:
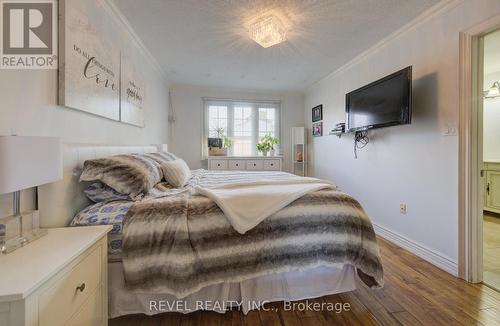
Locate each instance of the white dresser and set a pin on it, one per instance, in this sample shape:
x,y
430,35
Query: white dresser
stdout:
x,y
60,279
248,163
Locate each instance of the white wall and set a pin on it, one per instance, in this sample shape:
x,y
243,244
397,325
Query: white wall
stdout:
x,y
491,118
414,164
29,107
188,127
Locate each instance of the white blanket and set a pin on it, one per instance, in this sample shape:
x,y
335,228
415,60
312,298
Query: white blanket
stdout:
x,y
246,204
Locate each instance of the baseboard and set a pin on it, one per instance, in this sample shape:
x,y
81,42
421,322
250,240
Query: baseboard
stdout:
x,y
425,253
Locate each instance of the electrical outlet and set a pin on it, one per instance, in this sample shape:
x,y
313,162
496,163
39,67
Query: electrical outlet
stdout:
x,y
402,209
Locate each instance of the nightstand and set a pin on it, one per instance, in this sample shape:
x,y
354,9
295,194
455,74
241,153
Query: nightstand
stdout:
x,y
60,279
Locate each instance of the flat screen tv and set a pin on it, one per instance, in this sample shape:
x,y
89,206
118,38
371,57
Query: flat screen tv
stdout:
x,y
385,102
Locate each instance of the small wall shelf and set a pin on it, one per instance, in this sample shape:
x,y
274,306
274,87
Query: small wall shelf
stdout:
x,y
299,152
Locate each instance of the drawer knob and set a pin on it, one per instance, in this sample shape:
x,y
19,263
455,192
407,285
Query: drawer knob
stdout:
x,y
218,164
254,164
237,164
272,164
81,287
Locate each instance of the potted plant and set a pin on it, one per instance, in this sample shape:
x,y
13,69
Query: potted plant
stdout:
x,y
270,142
263,147
266,144
274,141
218,146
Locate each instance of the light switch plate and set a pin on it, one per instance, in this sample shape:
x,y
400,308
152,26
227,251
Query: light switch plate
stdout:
x,y
450,130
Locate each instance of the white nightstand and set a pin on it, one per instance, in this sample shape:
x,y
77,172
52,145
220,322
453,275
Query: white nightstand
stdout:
x,y
60,279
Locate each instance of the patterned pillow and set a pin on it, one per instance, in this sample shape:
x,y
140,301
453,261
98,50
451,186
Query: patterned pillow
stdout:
x,y
128,174
103,213
161,157
99,192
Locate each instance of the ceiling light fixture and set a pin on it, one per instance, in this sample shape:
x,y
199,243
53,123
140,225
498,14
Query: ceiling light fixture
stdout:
x,y
493,92
267,31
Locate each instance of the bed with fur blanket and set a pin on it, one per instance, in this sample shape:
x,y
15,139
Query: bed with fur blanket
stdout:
x,y
178,241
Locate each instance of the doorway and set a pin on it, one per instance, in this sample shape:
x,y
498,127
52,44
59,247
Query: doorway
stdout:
x,y
473,185
491,159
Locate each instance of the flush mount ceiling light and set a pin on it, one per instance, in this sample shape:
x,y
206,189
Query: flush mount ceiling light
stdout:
x,y
493,92
267,31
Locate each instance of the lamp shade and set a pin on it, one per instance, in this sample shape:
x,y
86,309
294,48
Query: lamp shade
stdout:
x,y
27,162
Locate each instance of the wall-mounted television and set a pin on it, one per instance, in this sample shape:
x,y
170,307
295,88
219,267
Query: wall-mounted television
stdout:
x,y
385,102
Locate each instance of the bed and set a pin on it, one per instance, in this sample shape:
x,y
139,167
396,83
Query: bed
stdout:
x,y
204,282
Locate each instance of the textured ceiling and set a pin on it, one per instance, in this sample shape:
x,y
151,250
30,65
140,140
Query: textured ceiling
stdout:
x,y
206,42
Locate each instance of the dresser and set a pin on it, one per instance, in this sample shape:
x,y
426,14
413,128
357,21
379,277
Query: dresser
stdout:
x,y
59,279
246,163
491,186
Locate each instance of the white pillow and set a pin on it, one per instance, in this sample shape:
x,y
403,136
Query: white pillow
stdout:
x,y
176,172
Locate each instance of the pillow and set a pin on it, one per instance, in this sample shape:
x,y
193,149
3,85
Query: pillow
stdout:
x,y
103,214
176,172
161,157
99,192
128,174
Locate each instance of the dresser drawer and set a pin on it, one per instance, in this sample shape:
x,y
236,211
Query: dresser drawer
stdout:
x,y
91,313
272,165
62,300
236,164
218,165
255,165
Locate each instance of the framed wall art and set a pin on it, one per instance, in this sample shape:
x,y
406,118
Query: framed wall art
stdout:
x,y
317,129
317,113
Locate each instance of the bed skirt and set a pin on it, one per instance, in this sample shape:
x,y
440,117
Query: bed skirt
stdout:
x,y
245,296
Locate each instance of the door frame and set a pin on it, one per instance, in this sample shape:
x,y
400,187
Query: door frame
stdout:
x,y
470,150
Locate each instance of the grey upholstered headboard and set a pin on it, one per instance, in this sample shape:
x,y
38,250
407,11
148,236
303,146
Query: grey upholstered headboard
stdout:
x,y
60,201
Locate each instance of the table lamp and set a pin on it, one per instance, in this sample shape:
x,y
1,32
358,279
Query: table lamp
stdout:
x,y
25,162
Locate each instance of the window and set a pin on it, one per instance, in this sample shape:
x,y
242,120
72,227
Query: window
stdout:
x,y
218,119
267,122
243,122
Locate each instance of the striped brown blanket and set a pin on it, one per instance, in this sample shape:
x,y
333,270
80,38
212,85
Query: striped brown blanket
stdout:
x,y
176,242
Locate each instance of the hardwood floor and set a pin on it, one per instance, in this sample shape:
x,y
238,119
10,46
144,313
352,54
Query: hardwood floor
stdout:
x,y
415,293
491,249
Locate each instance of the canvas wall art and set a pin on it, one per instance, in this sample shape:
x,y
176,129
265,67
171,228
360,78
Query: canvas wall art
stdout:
x,y
100,70
132,93
89,59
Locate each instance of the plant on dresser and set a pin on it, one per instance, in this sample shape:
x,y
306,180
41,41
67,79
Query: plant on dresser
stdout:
x,y
267,144
219,146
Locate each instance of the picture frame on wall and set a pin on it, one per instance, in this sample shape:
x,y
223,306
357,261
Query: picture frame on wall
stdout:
x,y
317,113
317,129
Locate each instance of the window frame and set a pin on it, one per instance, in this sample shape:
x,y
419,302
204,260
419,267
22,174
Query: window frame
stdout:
x,y
231,103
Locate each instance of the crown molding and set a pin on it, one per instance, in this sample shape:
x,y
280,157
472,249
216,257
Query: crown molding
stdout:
x,y
120,18
436,10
